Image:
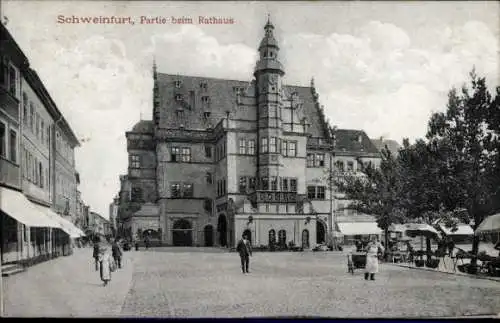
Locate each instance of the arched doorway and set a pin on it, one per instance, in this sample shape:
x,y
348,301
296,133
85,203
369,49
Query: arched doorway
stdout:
x,y
182,233
320,232
248,233
272,237
305,239
209,236
282,238
222,229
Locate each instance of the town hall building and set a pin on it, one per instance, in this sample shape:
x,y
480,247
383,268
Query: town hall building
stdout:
x,y
224,157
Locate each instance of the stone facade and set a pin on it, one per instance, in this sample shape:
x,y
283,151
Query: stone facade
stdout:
x,y
221,157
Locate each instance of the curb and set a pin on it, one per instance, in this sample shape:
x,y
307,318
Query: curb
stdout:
x,y
448,273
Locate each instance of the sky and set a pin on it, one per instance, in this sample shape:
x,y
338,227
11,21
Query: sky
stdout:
x,y
383,67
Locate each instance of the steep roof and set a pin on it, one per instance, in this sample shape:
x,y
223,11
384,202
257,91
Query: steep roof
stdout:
x,y
354,141
222,99
143,126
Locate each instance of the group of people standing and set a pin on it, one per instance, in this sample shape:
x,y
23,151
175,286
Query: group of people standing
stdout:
x,y
107,257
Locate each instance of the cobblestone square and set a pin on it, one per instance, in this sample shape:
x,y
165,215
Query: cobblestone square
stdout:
x,y
177,283
183,282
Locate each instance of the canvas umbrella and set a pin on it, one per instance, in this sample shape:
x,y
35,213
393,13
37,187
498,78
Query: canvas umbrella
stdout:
x,y
490,224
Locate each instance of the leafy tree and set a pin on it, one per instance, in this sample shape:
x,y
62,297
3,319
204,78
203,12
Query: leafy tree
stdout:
x,y
376,191
463,146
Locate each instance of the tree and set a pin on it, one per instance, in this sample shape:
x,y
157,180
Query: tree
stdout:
x,y
376,191
465,151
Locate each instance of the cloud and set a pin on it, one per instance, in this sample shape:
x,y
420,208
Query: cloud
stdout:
x,y
377,80
104,93
191,51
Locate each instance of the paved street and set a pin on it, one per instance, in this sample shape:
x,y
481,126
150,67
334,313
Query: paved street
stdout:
x,y
170,282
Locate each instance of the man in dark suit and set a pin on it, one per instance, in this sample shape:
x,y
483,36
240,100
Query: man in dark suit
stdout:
x,y
245,250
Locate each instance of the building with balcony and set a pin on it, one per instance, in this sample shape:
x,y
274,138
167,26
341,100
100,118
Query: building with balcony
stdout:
x,y
225,157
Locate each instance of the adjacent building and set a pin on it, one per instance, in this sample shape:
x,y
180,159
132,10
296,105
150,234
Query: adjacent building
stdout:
x,y
225,157
113,214
31,230
99,225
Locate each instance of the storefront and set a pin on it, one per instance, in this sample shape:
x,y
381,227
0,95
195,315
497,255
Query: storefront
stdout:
x,y
25,229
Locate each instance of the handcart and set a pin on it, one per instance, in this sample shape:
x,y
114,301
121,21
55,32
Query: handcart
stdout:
x,y
356,260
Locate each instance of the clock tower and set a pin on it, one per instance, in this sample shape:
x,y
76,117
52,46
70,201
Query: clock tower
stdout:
x,y
268,74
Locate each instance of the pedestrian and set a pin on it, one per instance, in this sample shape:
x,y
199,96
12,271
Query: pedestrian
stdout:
x,y
106,264
372,251
146,242
95,254
245,250
117,253
451,246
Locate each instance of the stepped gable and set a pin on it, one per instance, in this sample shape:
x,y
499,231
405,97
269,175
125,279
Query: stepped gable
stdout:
x,y
222,99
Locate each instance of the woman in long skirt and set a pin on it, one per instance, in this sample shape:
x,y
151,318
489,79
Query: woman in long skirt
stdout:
x,y
372,251
105,263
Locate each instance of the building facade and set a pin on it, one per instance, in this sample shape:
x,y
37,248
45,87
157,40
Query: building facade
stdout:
x,y
223,157
30,229
98,224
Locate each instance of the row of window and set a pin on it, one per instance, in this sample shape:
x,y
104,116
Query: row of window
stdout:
x,y
181,190
249,183
220,150
8,76
178,84
221,187
315,160
63,147
34,122
247,147
180,97
316,192
273,145
8,143
34,170
65,185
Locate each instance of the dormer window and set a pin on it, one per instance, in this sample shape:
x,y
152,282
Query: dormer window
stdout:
x,y
206,115
205,99
177,84
178,97
237,90
180,113
203,85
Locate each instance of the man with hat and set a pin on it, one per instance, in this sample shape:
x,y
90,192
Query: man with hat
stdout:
x,y
245,250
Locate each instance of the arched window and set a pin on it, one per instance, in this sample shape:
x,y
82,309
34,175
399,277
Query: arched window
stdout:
x,y
272,237
282,237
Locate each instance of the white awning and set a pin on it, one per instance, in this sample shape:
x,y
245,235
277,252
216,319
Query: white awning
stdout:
x,y
17,206
359,228
75,232
65,225
462,230
397,228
